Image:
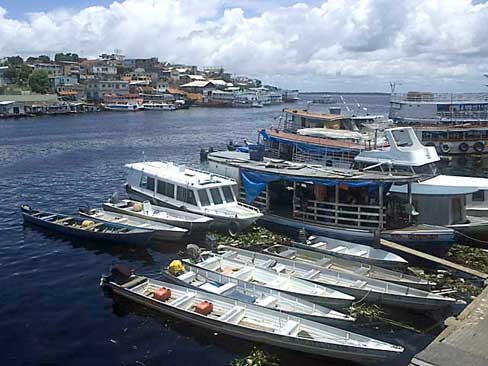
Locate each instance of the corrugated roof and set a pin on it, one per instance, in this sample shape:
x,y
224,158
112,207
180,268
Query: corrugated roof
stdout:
x,y
196,84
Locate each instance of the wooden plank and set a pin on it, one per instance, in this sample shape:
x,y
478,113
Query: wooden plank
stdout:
x,y
443,262
60,221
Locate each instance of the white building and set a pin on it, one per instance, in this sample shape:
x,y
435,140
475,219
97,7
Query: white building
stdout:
x,y
96,89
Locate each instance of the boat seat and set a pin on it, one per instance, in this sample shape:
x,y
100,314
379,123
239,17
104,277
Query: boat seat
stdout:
x,y
362,271
242,273
323,261
60,221
359,284
338,249
183,300
233,315
279,268
267,301
288,253
187,276
277,283
48,217
310,274
93,226
360,253
319,245
267,264
288,328
218,289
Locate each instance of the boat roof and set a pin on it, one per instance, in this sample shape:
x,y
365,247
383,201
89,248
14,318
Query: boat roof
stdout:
x,y
327,117
181,174
458,181
433,190
306,171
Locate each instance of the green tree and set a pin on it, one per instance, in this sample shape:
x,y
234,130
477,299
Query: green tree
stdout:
x,y
66,57
39,81
44,58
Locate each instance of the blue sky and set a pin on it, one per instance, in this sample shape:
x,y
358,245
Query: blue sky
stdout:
x,y
336,45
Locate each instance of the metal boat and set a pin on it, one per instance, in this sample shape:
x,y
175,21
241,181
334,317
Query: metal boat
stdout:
x,y
237,289
161,231
278,281
87,229
251,322
347,266
361,287
194,223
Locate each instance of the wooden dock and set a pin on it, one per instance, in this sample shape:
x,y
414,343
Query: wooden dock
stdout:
x,y
386,244
463,342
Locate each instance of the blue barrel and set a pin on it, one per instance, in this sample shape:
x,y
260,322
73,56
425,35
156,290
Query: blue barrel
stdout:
x,y
256,152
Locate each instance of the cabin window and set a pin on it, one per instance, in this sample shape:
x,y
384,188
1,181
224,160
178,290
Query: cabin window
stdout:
x,y
479,196
166,189
180,193
203,195
147,182
190,198
216,197
185,195
228,196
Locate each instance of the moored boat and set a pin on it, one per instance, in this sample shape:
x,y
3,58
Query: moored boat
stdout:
x,y
361,287
347,266
161,231
87,229
237,289
247,321
255,275
192,222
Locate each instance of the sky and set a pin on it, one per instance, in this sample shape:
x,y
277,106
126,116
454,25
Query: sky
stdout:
x,y
334,45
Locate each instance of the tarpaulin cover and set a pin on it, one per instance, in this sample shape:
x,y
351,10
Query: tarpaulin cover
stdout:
x,y
255,182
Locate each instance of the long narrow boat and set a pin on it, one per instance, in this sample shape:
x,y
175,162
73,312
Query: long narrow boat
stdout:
x,y
87,229
352,251
348,266
192,222
278,281
237,289
367,289
161,231
251,322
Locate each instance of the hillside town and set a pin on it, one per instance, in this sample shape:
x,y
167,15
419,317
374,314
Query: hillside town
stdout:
x,y
71,84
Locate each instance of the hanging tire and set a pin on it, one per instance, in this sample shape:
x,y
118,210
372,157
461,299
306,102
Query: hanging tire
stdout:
x,y
233,229
463,147
479,146
445,148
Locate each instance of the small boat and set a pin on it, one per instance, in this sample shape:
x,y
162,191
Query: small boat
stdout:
x,y
347,266
248,321
277,281
237,289
161,231
352,251
361,287
87,229
194,223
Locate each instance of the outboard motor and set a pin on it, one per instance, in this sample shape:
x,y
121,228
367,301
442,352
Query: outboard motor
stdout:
x,y
203,156
119,273
114,199
194,252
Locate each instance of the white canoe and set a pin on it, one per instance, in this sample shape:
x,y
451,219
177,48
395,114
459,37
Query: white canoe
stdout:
x,y
254,323
348,266
234,288
370,290
357,252
312,292
162,231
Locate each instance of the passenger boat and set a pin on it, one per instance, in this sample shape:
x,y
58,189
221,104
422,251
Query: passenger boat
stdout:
x,y
161,231
264,277
123,107
248,321
355,252
87,229
347,266
237,289
192,222
159,107
361,287
191,190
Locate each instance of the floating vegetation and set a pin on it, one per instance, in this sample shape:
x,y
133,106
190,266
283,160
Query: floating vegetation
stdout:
x,y
372,312
255,236
257,357
475,258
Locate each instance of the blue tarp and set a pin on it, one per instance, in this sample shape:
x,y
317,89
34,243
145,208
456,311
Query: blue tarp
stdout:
x,y
255,182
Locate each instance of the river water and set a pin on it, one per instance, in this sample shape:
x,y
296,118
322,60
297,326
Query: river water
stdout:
x,y
52,310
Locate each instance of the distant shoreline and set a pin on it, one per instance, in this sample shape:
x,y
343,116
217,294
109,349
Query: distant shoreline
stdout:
x,y
344,93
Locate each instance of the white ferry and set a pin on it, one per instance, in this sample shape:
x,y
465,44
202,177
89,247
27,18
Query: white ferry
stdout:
x,y
159,106
123,107
453,123
192,190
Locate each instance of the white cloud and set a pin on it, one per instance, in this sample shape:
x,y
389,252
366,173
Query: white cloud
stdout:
x,y
430,44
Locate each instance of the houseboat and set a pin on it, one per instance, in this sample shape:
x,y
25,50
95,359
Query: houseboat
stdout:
x,y
453,123
153,106
345,204
123,107
192,190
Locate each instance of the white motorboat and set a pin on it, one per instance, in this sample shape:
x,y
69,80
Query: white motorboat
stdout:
x,y
159,106
191,190
248,321
123,107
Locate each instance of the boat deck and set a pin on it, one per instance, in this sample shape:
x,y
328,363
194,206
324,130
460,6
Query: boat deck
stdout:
x,y
463,342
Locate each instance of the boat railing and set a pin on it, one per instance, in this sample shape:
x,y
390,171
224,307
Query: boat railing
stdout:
x,y
341,214
249,207
438,97
464,115
342,159
212,174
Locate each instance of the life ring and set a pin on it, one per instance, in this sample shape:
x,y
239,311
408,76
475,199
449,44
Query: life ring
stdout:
x,y
233,228
479,146
463,147
445,148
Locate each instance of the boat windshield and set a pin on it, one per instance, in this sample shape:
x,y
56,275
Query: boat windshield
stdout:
x,y
228,195
216,197
426,169
203,195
